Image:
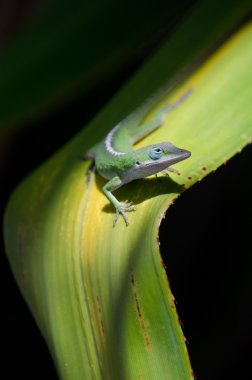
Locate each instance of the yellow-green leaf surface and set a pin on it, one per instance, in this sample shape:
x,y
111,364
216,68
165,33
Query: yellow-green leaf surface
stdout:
x,y
100,294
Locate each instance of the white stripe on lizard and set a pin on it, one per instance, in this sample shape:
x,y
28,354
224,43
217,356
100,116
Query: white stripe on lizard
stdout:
x,y
109,141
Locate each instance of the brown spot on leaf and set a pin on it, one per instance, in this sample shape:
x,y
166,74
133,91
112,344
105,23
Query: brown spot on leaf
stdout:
x,y
139,312
180,322
194,375
100,316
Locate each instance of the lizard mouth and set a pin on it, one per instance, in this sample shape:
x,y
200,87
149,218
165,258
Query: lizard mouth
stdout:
x,y
185,153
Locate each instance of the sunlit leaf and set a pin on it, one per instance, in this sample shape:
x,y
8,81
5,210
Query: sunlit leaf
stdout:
x,y
99,293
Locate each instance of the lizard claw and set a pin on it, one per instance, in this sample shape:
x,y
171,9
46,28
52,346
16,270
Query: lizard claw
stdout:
x,y
126,206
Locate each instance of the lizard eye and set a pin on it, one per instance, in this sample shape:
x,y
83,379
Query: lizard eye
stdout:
x,y
155,153
138,163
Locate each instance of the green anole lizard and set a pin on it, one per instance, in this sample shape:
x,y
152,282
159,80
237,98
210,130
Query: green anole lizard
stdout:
x,y
116,160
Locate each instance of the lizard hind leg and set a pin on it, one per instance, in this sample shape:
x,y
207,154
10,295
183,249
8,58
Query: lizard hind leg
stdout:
x,y
144,129
89,156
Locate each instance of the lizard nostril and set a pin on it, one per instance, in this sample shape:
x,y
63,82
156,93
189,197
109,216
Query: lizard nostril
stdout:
x,y
138,163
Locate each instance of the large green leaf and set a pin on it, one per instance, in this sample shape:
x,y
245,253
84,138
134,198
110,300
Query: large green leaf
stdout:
x,y
100,294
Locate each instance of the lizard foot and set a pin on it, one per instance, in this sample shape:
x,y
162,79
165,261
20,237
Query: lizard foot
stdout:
x,y
170,169
126,206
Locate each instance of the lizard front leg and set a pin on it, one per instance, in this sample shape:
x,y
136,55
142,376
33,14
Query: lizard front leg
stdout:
x,y
121,208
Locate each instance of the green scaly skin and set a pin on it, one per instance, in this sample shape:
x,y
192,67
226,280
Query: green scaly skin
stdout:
x,y
116,160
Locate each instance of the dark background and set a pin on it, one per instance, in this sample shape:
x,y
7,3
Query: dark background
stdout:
x,y
205,244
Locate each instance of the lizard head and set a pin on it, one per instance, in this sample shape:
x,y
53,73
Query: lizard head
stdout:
x,y
166,152
155,158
